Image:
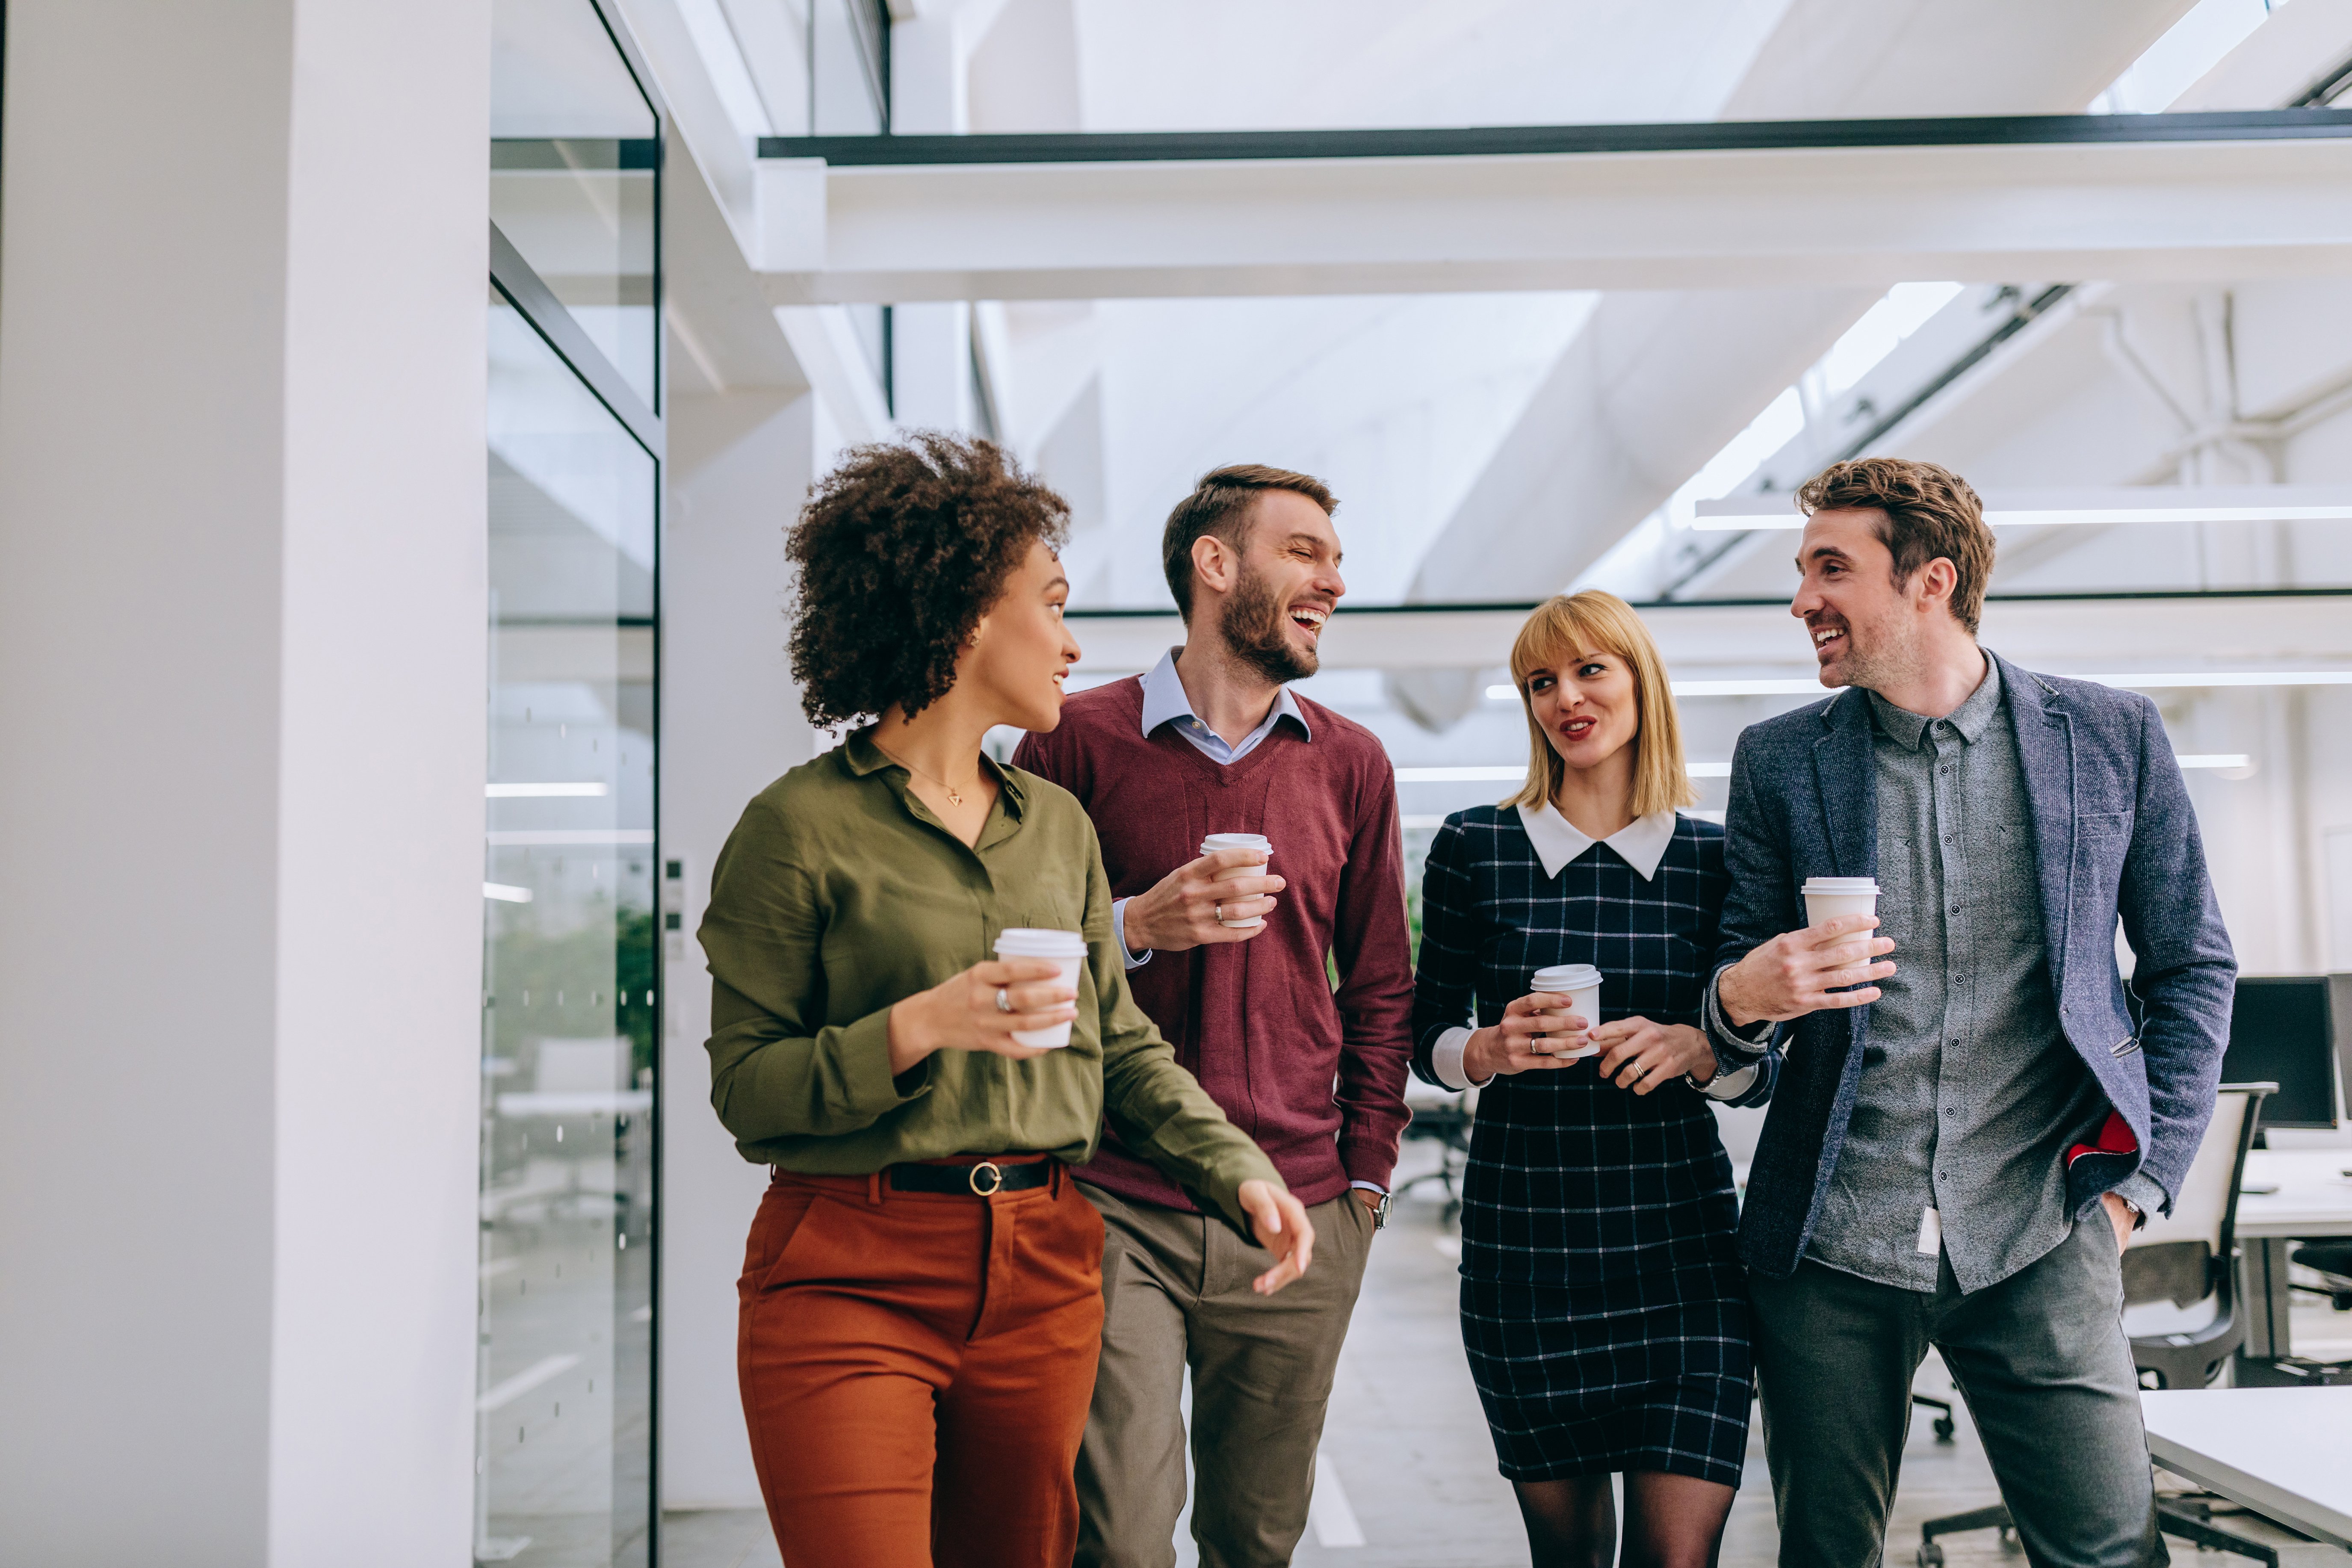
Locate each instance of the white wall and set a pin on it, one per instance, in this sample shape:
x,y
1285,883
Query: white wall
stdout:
x,y
242,607
740,464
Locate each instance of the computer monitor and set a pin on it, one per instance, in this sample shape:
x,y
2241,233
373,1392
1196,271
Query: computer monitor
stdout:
x,y
2283,1031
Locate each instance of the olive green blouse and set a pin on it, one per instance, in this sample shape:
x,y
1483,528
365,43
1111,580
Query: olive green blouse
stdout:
x,y
839,894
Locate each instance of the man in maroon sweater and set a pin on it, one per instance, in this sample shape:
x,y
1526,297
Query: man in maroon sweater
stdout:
x,y
1211,740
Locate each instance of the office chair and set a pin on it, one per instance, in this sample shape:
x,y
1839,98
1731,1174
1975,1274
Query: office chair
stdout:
x,y
2183,1258
2332,1261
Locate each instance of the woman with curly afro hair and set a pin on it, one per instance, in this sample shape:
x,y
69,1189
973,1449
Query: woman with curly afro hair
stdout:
x,y
921,1297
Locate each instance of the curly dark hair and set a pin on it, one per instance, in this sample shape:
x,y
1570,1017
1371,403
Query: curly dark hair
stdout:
x,y
901,549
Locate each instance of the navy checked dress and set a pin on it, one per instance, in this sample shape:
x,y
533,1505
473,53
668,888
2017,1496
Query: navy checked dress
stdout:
x,y
1603,1306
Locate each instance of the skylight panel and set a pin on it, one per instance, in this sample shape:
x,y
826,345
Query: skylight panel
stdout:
x,y
1907,308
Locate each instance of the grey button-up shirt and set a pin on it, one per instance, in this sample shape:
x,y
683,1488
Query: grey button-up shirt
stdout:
x,y
1969,1095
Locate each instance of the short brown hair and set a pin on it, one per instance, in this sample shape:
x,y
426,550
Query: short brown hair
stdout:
x,y
1929,513
901,549
1220,504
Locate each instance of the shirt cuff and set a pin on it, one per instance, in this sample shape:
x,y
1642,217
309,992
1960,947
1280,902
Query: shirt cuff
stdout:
x,y
1118,934
2144,1192
1730,1085
1371,1187
1446,1060
1743,1045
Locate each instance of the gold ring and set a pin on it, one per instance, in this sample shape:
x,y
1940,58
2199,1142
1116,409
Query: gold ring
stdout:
x,y
996,1178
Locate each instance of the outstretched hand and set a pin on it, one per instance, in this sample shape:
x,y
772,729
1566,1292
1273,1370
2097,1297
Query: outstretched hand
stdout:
x,y
1639,1055
1182,910
1534,1029
960,1012
1798,972
1280,1224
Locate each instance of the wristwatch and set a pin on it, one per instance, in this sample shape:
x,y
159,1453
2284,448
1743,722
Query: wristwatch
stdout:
x,y
1380,1211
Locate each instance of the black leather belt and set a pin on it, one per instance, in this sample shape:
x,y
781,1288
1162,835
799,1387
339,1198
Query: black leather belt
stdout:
x,y
979,1180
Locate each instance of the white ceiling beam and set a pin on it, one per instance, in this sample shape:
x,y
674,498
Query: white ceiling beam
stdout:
x,y
1749,639
1664,220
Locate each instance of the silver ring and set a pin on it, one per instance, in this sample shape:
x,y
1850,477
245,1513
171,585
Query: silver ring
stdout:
x,y
1221,913
1003,1002
1640,1071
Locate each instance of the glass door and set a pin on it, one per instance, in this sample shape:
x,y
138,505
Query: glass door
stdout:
x,y
564,1397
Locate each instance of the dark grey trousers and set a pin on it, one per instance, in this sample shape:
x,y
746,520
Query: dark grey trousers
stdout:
x,y
2040,1358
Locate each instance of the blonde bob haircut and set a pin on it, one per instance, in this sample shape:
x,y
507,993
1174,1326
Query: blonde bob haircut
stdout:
x,y
1570,626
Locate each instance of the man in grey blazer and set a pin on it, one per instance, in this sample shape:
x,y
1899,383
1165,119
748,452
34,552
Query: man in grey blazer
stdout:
x,y
1966,1126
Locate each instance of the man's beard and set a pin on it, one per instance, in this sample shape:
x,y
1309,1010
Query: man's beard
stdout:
x,y
1894,660
1257,632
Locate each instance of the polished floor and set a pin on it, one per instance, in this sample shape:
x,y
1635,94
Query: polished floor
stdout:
x,y
1409,1481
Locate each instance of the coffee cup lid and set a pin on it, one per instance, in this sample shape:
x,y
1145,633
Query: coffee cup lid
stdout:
x,y
1216,841
1841,885
1559,977
1033,941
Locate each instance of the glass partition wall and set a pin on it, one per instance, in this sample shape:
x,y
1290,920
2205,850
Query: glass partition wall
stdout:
x,y
564,1402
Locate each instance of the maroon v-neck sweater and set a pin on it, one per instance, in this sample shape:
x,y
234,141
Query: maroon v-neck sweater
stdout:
x,y
1316,1078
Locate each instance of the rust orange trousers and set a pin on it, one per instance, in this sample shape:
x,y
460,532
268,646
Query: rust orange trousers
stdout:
x,y
917,1368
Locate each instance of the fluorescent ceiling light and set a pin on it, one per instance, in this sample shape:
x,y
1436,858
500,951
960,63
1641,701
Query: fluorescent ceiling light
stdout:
x,y
2228,677
532,836
2214,760
1512,775
2128,503
540,791
2128,681
1516,773
1697,688
1746,688
505,894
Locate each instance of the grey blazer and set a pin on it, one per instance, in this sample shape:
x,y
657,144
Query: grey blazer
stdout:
x,y
2115,835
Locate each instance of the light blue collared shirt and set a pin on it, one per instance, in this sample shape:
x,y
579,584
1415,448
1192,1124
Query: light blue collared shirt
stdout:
x,y
1164,702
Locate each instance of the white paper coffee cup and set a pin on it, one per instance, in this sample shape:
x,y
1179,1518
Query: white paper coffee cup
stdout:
x,y
1829,898
1066,947
1216,841
1581,983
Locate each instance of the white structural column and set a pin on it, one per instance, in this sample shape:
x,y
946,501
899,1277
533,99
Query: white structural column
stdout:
x,y
242,600
931,366
740,463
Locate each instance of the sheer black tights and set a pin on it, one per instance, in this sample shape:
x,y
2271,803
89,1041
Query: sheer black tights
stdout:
x,y
1671,1521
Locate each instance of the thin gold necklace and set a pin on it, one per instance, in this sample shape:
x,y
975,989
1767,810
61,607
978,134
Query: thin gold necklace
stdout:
x,y
955,796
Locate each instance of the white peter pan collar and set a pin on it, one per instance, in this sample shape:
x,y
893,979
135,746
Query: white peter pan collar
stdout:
x,y
1640,842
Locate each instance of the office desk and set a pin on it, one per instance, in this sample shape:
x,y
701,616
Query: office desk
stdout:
x,y
2279,1451
2314,1199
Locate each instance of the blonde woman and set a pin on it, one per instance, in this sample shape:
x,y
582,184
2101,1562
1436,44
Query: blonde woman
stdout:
x,y
1603,1305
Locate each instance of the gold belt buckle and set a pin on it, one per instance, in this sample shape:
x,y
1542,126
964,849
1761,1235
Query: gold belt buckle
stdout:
x,y
996,1178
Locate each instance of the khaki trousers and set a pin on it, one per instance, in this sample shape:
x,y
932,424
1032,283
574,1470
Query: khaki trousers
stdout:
x,y
915,1369
1176,1293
